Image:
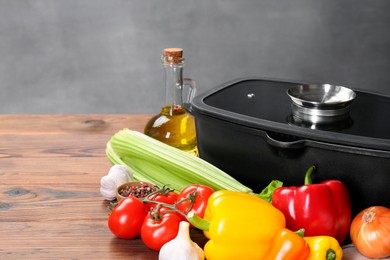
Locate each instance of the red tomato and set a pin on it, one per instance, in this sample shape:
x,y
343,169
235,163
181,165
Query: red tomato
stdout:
x,y
156,232
202,194
168,198
125,220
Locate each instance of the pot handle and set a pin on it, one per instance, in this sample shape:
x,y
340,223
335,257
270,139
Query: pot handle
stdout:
x,y
190,84
284,141
188,108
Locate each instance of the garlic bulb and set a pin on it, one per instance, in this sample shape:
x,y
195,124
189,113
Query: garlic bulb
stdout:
x,y
181,247
117,175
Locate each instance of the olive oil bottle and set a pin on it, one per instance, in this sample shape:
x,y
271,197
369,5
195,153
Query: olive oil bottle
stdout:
x,y
174,125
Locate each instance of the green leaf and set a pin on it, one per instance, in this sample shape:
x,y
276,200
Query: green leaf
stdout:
x,y
267,192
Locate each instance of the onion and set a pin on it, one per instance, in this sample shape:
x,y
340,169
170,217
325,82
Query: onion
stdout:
x,y
370,232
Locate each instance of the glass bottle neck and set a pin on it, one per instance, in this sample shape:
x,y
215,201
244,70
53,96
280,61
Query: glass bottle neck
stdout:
x,y
173,78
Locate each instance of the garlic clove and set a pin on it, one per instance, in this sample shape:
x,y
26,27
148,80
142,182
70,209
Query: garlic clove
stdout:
x,y
117,175
181,247
121,174
108,187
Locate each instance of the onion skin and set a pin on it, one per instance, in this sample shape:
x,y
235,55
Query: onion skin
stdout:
x,y
370,232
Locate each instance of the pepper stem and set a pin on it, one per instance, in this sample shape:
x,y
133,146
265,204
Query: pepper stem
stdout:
x,y
308,174
300,232
330,254
197,221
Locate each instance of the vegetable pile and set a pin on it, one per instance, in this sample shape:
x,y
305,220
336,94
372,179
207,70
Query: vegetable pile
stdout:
x,y
157,217
307,222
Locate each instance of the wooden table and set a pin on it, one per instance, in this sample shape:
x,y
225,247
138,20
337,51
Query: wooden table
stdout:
x,y
50,204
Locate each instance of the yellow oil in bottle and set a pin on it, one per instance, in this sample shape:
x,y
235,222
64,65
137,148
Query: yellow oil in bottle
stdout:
x,y
174,126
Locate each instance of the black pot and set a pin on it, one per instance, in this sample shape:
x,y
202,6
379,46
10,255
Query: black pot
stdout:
x,y
247,128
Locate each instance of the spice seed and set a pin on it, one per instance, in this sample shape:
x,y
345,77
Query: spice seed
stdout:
x,y
139,191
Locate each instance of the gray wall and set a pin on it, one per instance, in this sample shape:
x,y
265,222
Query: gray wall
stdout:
x,y
103,56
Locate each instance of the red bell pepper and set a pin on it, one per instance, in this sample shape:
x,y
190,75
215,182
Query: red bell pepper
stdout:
x,y
322,209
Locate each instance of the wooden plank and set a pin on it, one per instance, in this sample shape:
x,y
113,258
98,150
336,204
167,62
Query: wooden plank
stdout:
x,y
81,242
63,210
70,124
87,148
47,171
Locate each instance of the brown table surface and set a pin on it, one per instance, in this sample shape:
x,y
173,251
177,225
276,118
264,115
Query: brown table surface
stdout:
x,y
50,204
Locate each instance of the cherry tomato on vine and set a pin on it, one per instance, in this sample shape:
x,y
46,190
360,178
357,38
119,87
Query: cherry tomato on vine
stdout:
x,y
125,220
201,193
169,198
159,229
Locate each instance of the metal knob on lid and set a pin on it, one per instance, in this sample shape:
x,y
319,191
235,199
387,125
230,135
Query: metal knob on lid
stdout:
x,y
320,103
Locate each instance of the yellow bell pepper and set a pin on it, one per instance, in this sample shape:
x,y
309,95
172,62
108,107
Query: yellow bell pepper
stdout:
x,y
242,226
324,248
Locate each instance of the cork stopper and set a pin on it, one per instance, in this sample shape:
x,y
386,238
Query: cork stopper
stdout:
x,y
173,55
173,52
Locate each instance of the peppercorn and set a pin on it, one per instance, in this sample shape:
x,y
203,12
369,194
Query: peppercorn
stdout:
x,y
139,191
